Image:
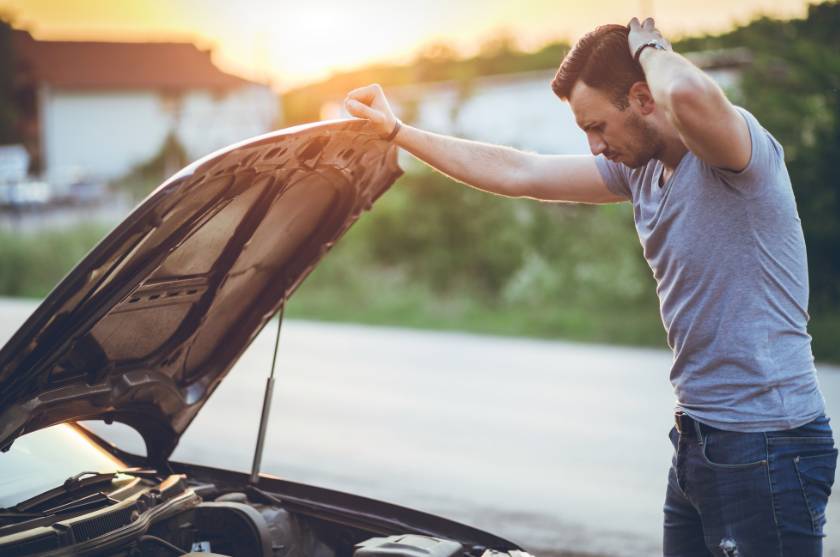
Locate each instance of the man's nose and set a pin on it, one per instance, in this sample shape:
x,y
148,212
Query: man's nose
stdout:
x,y
596,144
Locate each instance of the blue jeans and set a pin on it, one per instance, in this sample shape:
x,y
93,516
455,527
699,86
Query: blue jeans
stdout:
x,y
733,494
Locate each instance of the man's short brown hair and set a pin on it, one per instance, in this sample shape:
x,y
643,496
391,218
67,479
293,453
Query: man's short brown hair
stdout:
x,y
601,59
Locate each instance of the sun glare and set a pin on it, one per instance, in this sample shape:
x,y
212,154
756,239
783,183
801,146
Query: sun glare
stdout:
x,y
320,39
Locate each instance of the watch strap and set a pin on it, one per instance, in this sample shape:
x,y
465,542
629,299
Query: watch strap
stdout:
x,y
652,43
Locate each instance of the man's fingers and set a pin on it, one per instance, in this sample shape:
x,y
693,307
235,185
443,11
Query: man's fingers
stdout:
x,y
362,96
360,110
365,94
647,25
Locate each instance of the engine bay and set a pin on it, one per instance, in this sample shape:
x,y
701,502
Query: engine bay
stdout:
x,y
138,512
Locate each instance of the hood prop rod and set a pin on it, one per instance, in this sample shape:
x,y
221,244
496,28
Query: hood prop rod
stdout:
x,y
266,409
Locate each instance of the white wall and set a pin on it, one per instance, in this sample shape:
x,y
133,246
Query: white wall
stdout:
x,y
108,133
209,122
101,133
520,111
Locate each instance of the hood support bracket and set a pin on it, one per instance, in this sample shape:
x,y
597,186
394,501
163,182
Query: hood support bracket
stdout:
x,y
266,409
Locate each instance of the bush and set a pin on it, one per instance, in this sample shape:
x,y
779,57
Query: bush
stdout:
x,y
33,263
436,253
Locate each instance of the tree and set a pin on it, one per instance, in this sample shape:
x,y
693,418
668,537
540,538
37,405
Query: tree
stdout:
x,y
8,109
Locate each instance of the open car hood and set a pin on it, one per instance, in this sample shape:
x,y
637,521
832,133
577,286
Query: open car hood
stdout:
x,y
145,328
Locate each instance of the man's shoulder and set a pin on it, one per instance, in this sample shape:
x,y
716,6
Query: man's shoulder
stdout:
x,y
766,159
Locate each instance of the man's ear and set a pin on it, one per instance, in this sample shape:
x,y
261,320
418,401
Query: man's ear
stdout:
x,y
639,95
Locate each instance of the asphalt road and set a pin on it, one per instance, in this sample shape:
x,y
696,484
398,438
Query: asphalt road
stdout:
x,y
558,446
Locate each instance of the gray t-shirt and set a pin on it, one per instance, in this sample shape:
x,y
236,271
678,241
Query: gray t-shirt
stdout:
x,y
728,255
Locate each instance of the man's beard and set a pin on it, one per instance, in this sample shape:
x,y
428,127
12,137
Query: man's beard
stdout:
x,y
645,141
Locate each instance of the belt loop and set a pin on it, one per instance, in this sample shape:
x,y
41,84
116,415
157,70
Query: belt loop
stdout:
x,y
680,421
698,432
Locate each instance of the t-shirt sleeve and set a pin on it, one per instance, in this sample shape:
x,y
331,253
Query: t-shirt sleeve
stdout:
x,y
614,176
766,155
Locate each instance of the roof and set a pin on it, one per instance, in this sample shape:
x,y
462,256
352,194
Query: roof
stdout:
x,y
113,65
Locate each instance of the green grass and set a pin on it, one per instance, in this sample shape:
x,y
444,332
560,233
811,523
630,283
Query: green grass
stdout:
x,y
350,285
418,307
31,264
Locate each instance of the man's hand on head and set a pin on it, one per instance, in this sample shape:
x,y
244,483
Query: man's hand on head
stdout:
x,y
643,33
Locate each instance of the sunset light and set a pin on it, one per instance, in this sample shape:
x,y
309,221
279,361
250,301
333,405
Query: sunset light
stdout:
x,y
292,43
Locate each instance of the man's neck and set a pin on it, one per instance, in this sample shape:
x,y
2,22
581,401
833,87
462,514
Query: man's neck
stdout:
x,y
672,152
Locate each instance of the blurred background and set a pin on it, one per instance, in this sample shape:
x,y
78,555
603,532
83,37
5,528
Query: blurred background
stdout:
x,y
101,101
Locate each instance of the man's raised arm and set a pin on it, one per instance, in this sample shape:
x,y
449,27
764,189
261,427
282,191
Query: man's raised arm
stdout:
x,y
707,122
491,168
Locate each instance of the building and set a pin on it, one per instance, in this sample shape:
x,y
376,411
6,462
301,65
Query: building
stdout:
x,y
102,108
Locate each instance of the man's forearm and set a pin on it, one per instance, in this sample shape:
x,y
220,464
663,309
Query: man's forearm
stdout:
x,y
491,168
675,83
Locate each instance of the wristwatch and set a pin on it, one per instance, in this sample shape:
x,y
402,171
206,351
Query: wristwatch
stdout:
x,y
655,43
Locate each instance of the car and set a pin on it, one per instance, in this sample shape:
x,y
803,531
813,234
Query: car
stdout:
x,y
143,330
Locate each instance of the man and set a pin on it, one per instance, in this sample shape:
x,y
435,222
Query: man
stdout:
x,y
754,455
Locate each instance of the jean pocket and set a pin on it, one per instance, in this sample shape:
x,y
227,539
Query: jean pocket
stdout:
x,y
816,476
730,449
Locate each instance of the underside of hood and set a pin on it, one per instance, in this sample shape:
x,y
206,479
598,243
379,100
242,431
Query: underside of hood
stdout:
x,y
144,329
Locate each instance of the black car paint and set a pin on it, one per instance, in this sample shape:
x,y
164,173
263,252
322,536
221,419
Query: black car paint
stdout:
x,y
146,326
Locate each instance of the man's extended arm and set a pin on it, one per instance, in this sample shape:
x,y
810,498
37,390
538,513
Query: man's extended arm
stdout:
x,y
507,171
492,168
707,122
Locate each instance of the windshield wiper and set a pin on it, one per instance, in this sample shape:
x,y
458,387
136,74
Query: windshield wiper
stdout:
x,y
84,479
73,484
92,501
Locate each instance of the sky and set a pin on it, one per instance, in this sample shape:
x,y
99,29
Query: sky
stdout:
x,y
291,43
